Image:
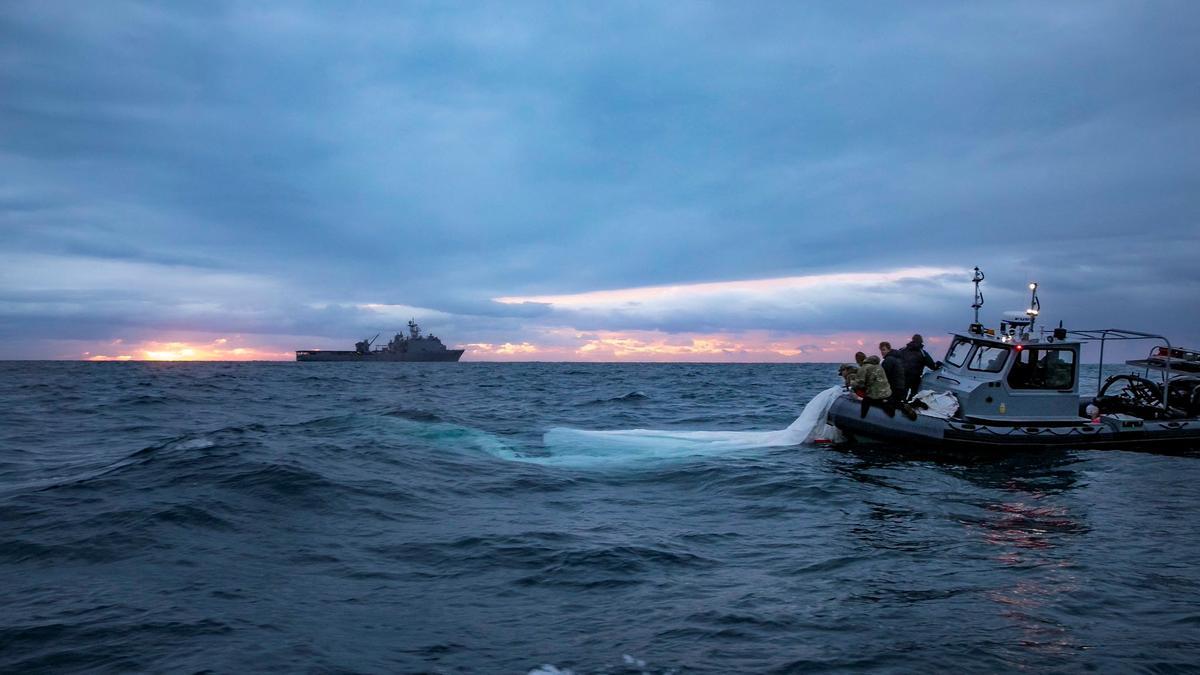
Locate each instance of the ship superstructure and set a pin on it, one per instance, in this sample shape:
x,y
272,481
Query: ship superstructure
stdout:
x,y
411,347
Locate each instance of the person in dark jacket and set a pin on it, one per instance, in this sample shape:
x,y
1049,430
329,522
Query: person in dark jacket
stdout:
x,y
915,360
893,367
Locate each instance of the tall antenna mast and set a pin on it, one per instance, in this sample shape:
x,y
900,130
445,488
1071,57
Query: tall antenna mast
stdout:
x,y
1035,307
978,294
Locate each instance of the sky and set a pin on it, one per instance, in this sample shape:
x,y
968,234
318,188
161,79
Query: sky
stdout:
x,y
641,181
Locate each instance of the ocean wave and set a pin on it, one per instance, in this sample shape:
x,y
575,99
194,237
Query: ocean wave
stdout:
x,y
626,665
631,397
111,647
141,400
291,483
102,536
91,471
414,415
544,559
192,516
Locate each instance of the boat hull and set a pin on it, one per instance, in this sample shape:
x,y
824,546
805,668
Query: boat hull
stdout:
x,y
406,357
1016,435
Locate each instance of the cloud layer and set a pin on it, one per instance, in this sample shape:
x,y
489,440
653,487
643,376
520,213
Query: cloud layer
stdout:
x,y
300,174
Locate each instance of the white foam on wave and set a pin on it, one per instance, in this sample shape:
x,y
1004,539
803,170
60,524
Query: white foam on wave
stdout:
x,y
549,669
582,448
193,444
628,663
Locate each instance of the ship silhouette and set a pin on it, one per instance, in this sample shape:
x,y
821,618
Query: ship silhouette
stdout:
x,y
411,347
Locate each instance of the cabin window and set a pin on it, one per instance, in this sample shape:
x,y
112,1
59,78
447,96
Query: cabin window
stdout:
x,y
989,359
1041,368
958,351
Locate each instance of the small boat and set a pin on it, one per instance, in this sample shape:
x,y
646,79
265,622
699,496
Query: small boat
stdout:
x,y
1012,388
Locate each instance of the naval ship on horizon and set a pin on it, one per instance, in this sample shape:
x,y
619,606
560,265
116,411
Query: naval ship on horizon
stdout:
x,y
411,347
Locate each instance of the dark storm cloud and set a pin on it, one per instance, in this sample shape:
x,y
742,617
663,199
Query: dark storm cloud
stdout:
x,y
252,165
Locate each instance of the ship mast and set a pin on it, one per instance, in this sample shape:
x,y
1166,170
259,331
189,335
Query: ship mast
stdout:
x,y
1035,307
977,327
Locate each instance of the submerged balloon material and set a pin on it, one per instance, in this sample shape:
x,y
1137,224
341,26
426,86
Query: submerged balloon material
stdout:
x,y
584,448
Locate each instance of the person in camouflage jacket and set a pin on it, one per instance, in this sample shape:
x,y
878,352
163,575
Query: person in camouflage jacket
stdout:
x,y
871,383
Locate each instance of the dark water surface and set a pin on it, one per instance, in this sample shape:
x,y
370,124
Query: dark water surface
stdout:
x,y
409,517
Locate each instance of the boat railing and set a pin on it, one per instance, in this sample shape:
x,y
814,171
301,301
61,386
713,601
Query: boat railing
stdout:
x,y
1103,335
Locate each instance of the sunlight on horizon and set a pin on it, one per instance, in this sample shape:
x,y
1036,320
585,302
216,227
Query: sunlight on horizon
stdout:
x,y
214,350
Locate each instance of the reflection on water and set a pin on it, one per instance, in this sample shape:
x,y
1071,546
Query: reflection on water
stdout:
x,y
1019,526
1018,515
1029,525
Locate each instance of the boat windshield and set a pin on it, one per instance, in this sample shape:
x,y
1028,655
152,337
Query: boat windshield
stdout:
x,y
957,354
989,358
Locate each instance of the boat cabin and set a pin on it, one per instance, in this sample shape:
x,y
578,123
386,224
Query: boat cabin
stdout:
x,y
1000,378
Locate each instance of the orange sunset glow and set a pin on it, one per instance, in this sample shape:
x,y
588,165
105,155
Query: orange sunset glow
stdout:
x,y
219,349
750,347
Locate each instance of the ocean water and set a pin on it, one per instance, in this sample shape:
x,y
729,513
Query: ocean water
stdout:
x,y
465,518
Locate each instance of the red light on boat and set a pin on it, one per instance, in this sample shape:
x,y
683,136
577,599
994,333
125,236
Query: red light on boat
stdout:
x,y
1019,347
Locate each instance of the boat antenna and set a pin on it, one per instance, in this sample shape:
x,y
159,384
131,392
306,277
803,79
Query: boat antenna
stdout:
x,y
1035,307
978,296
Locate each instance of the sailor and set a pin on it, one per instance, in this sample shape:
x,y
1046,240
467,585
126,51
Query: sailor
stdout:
x,y
893,367
915,360
1057,371
871,383
846,371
